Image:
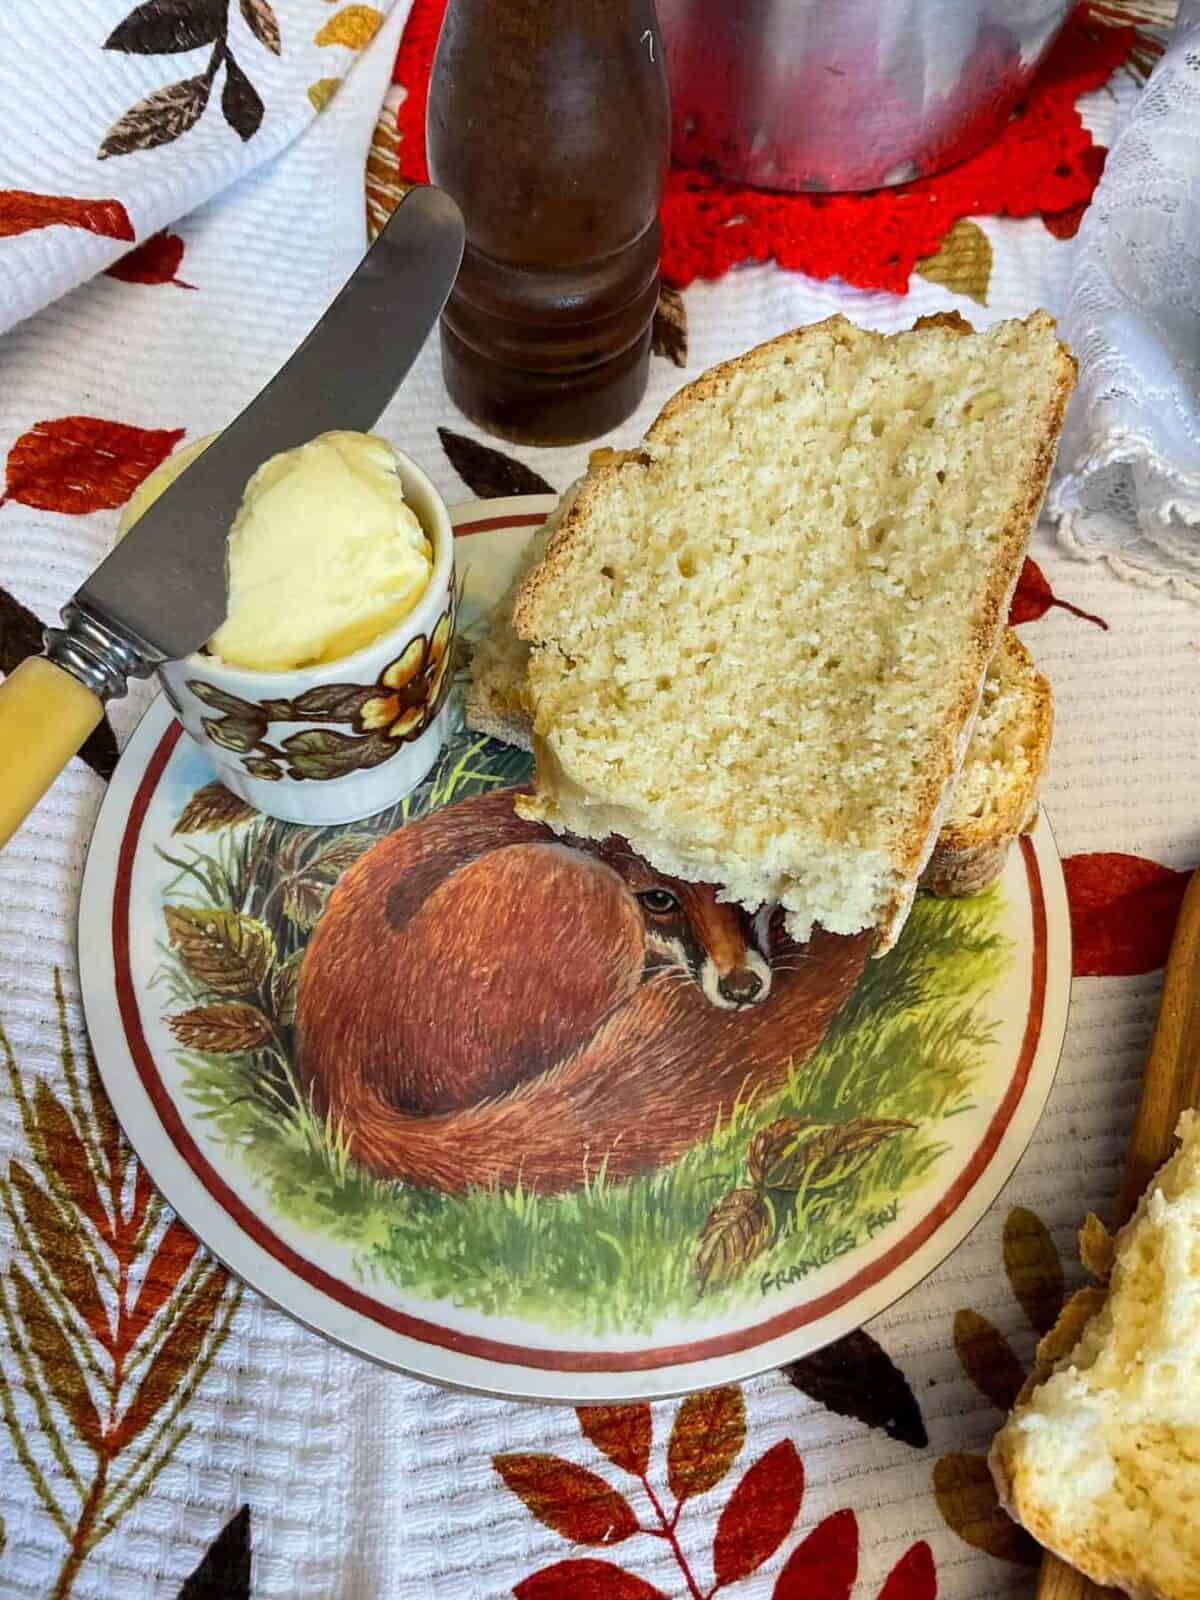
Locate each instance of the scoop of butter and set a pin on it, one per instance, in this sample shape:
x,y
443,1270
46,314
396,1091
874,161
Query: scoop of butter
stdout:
x,y
324,555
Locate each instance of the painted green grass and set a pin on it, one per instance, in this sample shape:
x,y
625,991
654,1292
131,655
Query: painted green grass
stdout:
x,y
909,1044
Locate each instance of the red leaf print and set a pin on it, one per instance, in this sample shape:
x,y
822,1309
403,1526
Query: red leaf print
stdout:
x,y
914,1577
156,261
1065,224
585,1580
760,1513
567,1498
622,1433
81,464
21,211
170,1261
825,1566
709,1431
1123,912
1034,597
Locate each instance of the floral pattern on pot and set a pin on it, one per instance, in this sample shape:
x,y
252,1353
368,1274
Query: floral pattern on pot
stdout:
x,y
383,716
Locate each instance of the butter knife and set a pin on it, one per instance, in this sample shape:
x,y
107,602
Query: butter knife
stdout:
x,y
162,592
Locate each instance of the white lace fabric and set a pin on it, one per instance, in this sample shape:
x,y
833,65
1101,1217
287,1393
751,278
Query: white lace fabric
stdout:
x,y
1128,485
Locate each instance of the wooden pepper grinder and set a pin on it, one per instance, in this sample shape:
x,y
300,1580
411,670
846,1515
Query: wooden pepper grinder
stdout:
x,y
548,123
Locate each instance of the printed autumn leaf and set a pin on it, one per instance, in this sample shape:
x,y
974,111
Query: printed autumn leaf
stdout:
x,y
327,702
285,987
241,103
758,1515
173,1255
962,262
224,1573
64,1159
489,473
1065,224
61,1372
966,1497
1123,913
914,1577
172,1360
224,1029
69,1266
584,1580
213,806
709,1430
574,1502
322,92
825,1565
1034,1270
228,952
22,211
669,330
21,636
156,261
79,464
736,1231
166,27
353,26
857,1378
304,900
263,24
988,1359
622,1433
385,187
1033,597
158,119
796,1154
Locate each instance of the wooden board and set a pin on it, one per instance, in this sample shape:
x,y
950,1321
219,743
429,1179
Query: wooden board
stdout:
x,y
1171,1086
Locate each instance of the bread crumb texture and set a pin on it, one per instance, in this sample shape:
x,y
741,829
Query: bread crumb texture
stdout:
x,y
1102,1464
758,646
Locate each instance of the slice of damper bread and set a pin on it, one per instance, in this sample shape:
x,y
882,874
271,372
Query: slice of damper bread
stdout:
x,y
1101,1462
759,645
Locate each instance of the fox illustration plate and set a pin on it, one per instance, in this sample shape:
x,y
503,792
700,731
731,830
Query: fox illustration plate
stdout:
x,y
520,1114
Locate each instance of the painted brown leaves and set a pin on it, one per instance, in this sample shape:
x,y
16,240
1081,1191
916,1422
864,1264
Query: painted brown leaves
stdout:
x,y
156,261
793,1163
112,1316
22,211
213,806
171,27
490,473
962,1483
80,464
707,1435
1123,912
1034,597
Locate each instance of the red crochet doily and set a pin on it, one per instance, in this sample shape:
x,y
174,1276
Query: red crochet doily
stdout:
x,y
1044,163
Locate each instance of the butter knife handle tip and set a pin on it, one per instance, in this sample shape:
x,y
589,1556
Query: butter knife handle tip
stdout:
x,y
45,715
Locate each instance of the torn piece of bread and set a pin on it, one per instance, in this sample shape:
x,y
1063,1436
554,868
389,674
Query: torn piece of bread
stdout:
x,y
1101,1462
994,798
758,646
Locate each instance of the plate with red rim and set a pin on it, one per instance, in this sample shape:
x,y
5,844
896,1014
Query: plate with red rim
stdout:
x,y
520,1115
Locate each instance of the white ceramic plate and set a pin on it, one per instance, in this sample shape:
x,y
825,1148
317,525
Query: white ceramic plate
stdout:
x,y
591,1177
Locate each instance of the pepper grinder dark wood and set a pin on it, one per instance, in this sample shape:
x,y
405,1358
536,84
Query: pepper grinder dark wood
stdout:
x,y
548,123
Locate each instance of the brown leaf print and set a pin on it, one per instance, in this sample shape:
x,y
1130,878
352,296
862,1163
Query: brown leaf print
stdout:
x,y
736,1231
857,1378
1034,1269
156,261
224,1029
669,330
353,26
988,1359
966,1497
173,1359
489,473
229,953
66,1161
709,1430
21,636
60,1369
1034,597
285,986
79,464
798,1155
574,1502
962,262
585,1580
22,211
241,104
166,27
62,1253
759,1514
224,1573
263,24
159,119
322,92
213,806
622,1433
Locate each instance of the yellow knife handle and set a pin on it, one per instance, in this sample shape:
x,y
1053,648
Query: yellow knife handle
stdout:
x,y
45,715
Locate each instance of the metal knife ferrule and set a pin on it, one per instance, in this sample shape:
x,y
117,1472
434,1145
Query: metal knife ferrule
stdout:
x,y
100,657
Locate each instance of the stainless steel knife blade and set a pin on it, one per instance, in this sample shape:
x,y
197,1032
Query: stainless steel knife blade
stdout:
x,y
162,591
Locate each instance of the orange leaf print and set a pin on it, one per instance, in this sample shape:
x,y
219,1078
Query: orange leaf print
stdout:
x,y
67,1157
61,1252
585,1580
569,1499
759,1514
80,464
709,1431
22,211
156,261
61,1372
622,1433
170,1261
1123,913
172,1360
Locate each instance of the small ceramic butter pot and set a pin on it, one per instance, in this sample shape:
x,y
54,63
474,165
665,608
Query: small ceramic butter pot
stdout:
x,y
342,740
